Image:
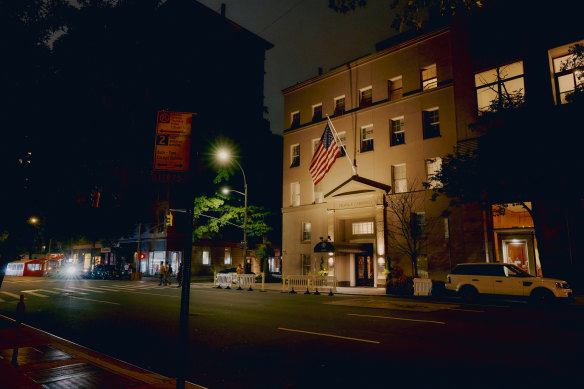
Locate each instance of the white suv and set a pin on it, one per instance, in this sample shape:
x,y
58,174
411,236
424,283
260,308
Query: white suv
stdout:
x,y
471,279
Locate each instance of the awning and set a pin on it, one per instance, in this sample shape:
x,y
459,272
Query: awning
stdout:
x,y
344,248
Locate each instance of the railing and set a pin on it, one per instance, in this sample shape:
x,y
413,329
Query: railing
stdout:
x,y
311,283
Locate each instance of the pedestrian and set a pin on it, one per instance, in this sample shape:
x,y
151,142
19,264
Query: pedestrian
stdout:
x,y
162,273
169,274
179,275
239,269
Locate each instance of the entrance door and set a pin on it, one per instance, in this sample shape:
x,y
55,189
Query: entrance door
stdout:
x,y
517,254
364,270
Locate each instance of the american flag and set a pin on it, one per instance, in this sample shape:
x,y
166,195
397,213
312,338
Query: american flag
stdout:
x,y
325,155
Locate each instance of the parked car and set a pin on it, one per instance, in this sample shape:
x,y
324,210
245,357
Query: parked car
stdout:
x,y
470,280
105,272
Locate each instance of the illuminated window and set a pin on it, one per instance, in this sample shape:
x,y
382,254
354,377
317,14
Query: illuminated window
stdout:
x,y
206,257
306,227
315,143
398,178
339,105
568,76
306,265
295,119
394,88
295,194
363,228
433,166
316,112
367,138
431,123
227,260
366,97
295,155
398,134
500,88
429,79
33,266
342,136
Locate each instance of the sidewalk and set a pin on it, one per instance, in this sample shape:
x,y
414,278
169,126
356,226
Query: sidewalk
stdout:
x,y
46,361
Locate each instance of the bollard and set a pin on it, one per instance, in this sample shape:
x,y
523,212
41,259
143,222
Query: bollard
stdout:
x,y
20,309
215,279
263,281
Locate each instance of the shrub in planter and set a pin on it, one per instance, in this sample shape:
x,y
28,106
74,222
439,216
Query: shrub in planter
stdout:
x,y
399,283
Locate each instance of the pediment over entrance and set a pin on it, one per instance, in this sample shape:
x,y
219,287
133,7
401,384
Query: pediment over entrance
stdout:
x,y
358,185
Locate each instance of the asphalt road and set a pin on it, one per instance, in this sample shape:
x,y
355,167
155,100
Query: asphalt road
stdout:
x,y
243,339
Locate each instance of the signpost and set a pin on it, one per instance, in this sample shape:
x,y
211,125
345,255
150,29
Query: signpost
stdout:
x,y
171,165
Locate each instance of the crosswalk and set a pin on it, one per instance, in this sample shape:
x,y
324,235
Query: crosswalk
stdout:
x,y
44,293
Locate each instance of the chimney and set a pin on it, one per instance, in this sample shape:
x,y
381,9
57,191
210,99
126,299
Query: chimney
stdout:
x,y
223,9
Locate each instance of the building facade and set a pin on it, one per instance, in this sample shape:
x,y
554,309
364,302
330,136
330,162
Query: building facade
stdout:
x,y
397,113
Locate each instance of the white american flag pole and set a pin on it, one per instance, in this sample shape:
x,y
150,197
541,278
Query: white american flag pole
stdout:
x,y
341,144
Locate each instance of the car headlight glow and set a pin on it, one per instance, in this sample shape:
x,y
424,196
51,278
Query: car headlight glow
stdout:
x,y
562,285
71,270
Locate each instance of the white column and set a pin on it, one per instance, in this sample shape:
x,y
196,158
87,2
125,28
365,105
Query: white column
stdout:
x,y
352,276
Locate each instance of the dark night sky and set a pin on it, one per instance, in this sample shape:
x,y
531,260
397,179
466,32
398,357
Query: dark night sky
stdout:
x,y
306,35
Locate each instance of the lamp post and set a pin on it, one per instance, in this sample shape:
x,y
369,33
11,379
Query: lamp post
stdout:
x,y
225,156
33,221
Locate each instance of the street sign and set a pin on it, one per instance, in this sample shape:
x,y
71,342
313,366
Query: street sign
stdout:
x,y
173,141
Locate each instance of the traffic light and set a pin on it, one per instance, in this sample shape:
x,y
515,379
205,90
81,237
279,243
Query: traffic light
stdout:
x,y
168,219
142,256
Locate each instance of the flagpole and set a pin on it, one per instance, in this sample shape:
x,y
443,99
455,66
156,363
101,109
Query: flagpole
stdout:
x,y
342,144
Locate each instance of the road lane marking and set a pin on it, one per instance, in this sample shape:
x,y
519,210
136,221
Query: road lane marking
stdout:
x,y
87,290
70,291
32,291
154,294
329,335
11,294
109,289
97,301
465,310
398,318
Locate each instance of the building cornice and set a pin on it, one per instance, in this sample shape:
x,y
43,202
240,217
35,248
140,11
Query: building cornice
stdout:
x,y
366,59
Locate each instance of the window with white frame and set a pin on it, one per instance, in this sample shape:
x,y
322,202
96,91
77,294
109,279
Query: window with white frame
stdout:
x,y
367,138
227,260
500,88
394,88
568,76
429,79
341,139
433,166
362,228
431,122
306,227
295,155
295,194
398,134
366,97
295,119
399,178
317,112
315,143
318,193
306,265
206,257
339,105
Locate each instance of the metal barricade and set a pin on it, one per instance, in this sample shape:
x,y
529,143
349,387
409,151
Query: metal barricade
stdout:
x,y
244,280
310,283
422,287
225,279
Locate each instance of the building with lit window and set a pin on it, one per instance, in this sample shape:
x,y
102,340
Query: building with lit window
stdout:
x,y
399,112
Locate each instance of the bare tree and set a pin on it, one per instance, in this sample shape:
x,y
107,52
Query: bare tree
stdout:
x,y
408,226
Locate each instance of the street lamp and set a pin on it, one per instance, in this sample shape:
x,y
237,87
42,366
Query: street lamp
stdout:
x,y
224,155
33,221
